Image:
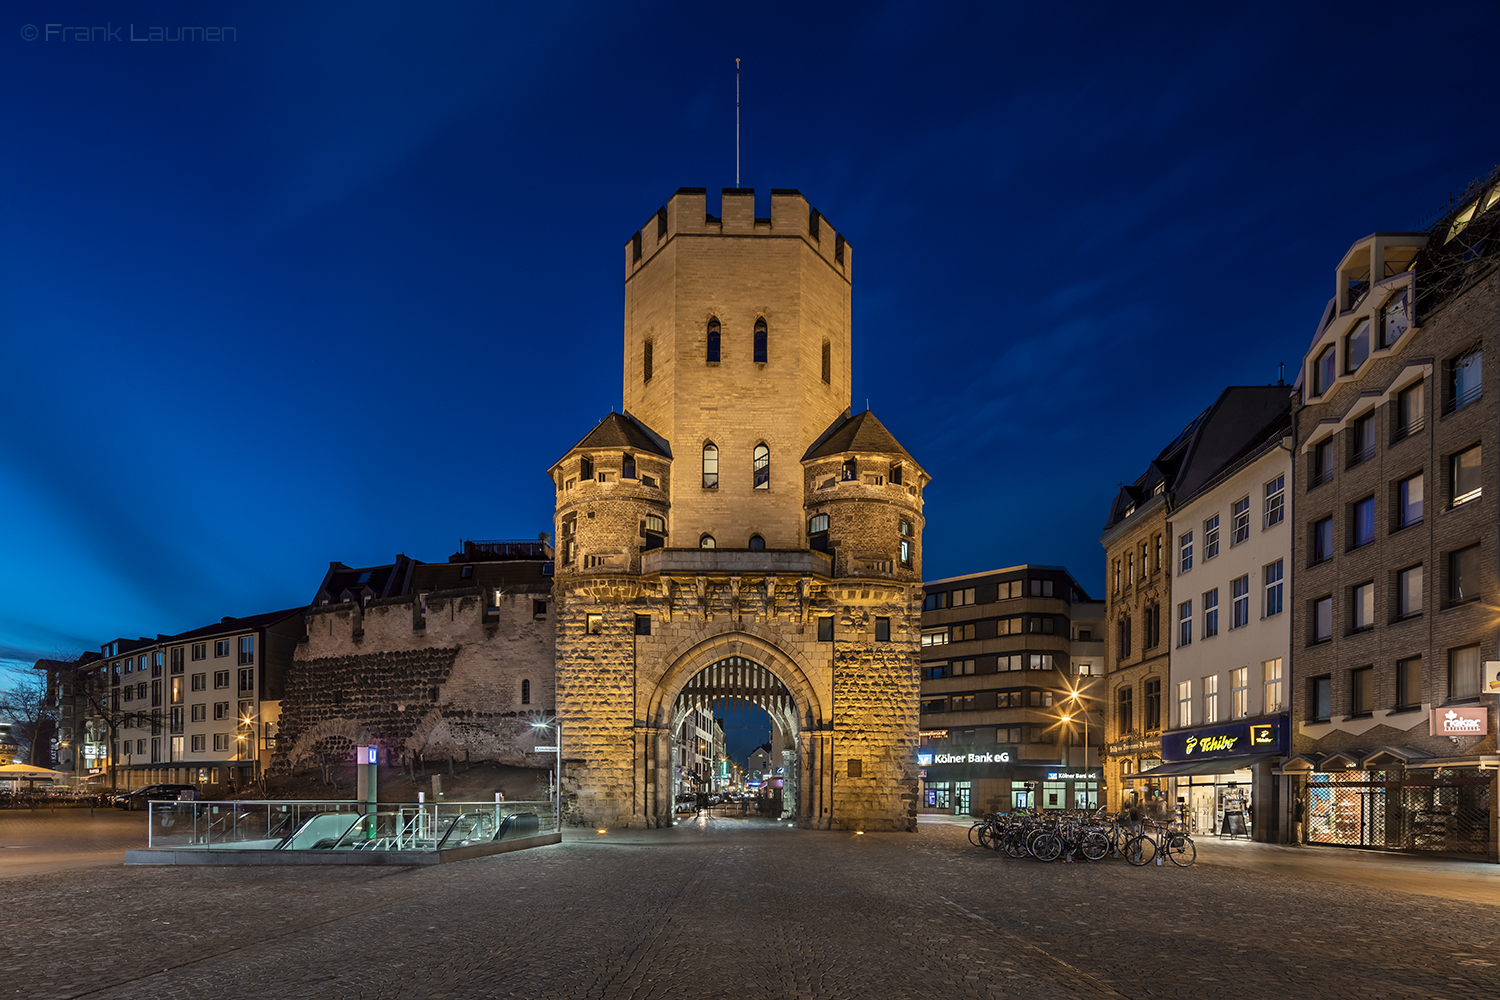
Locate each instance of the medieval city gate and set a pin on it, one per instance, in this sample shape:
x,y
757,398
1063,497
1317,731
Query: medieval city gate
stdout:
x,y
755,673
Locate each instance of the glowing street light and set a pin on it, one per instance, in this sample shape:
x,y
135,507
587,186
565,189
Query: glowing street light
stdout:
x,y
542,725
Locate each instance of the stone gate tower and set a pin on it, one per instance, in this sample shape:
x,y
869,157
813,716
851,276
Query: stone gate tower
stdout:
x,y
736,532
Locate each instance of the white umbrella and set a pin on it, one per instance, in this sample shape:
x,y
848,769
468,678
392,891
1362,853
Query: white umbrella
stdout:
x,y
25,771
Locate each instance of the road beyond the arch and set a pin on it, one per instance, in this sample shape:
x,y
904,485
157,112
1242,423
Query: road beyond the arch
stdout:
x,y
751,909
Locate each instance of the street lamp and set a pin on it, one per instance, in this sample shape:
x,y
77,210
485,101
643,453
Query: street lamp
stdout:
x,y
541,725
1076,696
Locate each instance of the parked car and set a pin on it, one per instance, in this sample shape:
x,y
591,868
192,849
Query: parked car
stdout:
x,y
138,798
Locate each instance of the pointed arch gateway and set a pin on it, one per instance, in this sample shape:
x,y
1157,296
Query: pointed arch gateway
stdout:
x,y
746,669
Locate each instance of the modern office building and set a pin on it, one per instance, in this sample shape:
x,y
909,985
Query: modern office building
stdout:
x,y
1011,660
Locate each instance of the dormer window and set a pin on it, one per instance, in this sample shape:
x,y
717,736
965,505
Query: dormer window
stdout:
x,y
627,467
851,471
895,473
467,573
585,468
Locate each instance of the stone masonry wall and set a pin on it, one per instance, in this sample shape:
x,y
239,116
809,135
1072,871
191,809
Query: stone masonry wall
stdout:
x,y
444,684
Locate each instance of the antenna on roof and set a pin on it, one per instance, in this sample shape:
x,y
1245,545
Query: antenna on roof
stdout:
x,y
736,123
1281,373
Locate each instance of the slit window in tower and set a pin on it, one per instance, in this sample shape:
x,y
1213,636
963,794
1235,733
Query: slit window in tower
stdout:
x,y
827,363
710,466
762,467
713,342
760,341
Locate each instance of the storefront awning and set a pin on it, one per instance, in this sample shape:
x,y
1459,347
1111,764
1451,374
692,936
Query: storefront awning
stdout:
x,y
1212,765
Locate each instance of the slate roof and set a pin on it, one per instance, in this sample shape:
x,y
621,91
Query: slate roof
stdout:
x,y
862,433
227,625
393,580
624,431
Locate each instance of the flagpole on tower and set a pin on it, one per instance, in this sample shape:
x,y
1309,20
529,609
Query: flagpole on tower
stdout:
x,y
736,123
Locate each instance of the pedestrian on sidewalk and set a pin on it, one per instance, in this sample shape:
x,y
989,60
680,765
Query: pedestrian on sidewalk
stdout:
x,y
1299,811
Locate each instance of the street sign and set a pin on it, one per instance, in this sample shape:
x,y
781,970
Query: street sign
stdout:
x,y
544,749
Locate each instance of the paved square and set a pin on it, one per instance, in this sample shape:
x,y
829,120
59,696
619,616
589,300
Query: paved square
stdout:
x,y
729,909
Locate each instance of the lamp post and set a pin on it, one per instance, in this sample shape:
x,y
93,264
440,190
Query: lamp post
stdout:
x,y
1076,697
542,725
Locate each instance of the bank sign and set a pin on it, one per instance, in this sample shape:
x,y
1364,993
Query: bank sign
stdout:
x,y
1225,741
927,758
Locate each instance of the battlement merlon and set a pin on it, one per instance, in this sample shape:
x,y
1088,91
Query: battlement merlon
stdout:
x,y
686,214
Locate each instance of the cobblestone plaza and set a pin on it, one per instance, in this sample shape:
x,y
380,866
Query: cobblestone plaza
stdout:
x,y
727,908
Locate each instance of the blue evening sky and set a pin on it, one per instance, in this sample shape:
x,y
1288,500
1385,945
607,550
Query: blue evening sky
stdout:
x,y
345,285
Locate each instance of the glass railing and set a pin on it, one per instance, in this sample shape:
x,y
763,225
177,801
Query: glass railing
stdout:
x,y
342,825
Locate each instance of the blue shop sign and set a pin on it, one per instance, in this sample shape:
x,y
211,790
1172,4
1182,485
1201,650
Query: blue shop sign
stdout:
x,y
1265,736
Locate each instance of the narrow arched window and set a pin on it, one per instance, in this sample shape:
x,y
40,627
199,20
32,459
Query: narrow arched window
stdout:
x,y
827,363
760,341
713,342
646,361
710,466
761,467
526,692
757,542
706,542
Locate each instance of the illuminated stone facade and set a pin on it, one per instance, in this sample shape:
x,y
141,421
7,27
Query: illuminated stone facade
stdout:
x,y
737,519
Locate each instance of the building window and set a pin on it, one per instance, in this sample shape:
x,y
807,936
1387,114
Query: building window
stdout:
x,y
199,712
538,607
585,469
1122,634
761,467
646,361
1322,463
1409,592
712,354
177,690
199,744
177,659
1239,521
221,711
827,363
1324,370
221,679
1210,699
247,679
1239,595
710,466
1275,505
1464,379
1185,552
964,597
1322,619
1463,575
850,471
882,630
933,636
627,466
1319,698
200,650
707,542
1409,683
1270,671
760,341
1411,412
221,742
1211,613
1395,318
1156,553
1125,714
1463,673
221,647
1362,691
1357,347
200,682
757,543
642,624
1409,501
1153,625
1185,623
1362,607
247,649
1463,475
1210,538
594,624
526,692
906,531
1151,704
1239,692
1322,541
1272,575
1362,522
1184,704
825,629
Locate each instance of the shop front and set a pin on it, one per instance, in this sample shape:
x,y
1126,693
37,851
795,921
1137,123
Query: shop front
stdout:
x,y
974,782
1215,778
